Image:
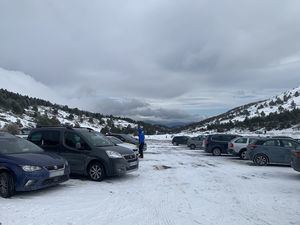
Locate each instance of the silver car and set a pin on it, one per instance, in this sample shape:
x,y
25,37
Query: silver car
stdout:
x,y
238,146
195,142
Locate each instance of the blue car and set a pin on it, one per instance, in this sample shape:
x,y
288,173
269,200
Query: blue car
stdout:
x,y
26,167
272,150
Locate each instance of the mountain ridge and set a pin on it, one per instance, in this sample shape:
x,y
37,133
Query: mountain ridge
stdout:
x,y
28,111
263,112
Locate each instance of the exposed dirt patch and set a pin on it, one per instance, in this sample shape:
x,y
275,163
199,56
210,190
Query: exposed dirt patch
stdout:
x,y
161,167
198,165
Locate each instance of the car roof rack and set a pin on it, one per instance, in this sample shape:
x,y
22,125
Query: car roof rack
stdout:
x,y
57,126
88,128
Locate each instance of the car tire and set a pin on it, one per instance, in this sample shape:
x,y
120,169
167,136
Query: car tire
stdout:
x,y
7,185
192,146
216,152
96,171
260,160
243,154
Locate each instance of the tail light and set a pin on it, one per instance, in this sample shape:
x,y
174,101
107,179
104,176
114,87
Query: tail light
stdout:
x,y
231,145
297,154
251,147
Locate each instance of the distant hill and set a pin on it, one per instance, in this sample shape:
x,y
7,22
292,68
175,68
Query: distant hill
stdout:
x,y
279,112
28,112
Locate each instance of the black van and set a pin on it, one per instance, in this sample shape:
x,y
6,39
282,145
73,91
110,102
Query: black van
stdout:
x,y
88,152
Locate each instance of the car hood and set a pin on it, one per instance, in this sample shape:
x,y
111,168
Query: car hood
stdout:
x,y
36,159
127,145
119,149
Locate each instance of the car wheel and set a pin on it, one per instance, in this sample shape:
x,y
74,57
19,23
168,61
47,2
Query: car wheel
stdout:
x,y
216,151
7,185
192,146
96,171
260,160
243,154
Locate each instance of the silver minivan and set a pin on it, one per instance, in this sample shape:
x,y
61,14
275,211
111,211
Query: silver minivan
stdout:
x,y
195,142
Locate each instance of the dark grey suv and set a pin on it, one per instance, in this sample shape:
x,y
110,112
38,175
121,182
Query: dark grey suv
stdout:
x,y
88,152
217,144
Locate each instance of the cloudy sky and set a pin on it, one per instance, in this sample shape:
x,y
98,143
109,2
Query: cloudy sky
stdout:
x,y
160,60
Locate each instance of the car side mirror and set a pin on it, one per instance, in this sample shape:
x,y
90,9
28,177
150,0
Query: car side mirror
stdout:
x,y
78,146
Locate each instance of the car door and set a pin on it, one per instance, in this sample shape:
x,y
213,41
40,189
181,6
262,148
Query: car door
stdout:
x,y
286,152
48,140
51,141
75,150
240,143
272,148
181,140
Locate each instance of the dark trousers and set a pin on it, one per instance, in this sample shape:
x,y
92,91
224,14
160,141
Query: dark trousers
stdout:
x,y
141,150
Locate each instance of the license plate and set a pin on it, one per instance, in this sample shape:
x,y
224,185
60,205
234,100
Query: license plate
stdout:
x,y
133,163
57,173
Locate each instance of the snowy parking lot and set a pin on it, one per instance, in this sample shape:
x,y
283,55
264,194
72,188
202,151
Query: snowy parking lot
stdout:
x,y
174,185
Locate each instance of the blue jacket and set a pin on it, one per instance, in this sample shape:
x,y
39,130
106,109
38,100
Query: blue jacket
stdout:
x,y
141,136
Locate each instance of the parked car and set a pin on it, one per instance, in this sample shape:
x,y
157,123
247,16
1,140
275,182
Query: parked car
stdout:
x,y
26,167
296,159
128,139
195,142
238,146
272,150
180,140
118,142
88,152
217,144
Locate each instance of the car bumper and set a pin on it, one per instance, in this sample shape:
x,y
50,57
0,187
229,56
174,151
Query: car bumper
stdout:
x,y
208,150
232,152
30,181
122,166
250,154
296,164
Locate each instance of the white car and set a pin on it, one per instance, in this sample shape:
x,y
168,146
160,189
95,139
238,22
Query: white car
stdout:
x,y
118,142
238,146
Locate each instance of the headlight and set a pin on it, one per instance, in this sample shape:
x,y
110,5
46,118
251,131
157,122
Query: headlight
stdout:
x,y
31,168
113,154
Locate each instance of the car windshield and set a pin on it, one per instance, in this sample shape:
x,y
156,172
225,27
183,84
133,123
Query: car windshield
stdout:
x,y
130,137
17,145
114,140
96,139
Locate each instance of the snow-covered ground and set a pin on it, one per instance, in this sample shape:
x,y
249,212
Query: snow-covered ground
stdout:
x,y
173,186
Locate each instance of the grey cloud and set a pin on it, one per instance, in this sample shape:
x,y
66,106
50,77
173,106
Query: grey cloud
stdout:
x,y
167,52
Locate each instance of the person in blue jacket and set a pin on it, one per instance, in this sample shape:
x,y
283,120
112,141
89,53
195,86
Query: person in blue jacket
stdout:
x,y
141,142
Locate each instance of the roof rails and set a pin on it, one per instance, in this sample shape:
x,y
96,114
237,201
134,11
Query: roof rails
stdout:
x,y
58,126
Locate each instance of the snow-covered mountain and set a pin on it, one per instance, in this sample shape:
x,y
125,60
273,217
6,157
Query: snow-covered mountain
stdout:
x,y
280,106
30,112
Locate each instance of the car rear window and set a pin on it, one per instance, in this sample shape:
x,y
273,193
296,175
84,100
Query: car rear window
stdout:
x,y
222,137
241,141
252,140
